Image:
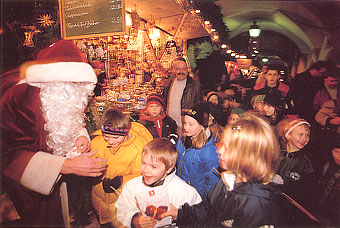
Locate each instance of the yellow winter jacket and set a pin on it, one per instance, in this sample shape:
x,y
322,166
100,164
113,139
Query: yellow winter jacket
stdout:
x,y
124,160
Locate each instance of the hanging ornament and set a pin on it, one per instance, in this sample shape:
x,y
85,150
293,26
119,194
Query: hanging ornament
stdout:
x,y
29,33
45,20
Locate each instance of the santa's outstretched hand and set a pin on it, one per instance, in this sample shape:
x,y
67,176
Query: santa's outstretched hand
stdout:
x,y
84,165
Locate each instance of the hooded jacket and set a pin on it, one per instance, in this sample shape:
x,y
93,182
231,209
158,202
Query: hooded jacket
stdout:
x,y
124,160
196,166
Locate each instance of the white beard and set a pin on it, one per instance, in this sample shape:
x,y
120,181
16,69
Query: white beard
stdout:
x,y
63,105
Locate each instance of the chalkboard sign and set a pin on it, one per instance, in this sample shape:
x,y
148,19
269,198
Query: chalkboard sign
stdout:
x,y
90,18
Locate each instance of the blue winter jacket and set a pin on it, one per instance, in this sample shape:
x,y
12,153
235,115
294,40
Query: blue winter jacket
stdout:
x,y
195,166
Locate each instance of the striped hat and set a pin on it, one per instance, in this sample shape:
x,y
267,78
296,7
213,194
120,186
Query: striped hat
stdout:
x,y
155,98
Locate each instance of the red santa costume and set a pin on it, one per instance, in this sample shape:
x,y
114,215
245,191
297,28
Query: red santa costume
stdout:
x,y
42,115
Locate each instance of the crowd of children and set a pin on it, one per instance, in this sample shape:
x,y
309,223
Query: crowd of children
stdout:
x,y
261,171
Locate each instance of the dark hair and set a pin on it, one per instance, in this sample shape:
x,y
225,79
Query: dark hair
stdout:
x,y
318,65
274,67
332,72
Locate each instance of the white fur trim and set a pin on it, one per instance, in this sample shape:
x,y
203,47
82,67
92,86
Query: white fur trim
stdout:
x,y
42,172
83,132
60,72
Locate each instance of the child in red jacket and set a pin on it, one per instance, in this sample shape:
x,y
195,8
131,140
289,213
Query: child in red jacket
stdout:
x,y
154,118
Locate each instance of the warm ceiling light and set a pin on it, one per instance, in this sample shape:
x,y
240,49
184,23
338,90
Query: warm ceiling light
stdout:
x,y
229,51
213,30
197,11
223,46
254,30
206,22
233,54
215,37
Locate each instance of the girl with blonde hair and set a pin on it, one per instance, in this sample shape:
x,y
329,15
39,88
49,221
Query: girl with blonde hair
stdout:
x,y
245,195
197,152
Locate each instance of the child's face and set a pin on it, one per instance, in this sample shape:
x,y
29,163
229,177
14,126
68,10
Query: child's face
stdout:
x,y
269,110
298,138
259,107
233,118
336,155
152,170
213,99
229,92
272,76
190,126
154,109
114,140
222,151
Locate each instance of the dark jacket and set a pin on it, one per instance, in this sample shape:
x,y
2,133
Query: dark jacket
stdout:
x,y
299,176
191,94
329,205
302,93
247,205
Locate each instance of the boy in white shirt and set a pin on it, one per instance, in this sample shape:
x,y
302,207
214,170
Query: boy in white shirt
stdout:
x,y
145,198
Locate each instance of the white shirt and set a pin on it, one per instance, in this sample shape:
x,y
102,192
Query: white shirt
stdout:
x,y
136,196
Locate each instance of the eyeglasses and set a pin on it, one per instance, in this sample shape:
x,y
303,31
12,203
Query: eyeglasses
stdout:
x,y
181,68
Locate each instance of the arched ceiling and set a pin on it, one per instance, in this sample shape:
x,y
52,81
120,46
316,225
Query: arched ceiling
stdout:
x,y
306,23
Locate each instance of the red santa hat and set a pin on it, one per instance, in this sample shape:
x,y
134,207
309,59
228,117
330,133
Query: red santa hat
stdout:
x,y
61,62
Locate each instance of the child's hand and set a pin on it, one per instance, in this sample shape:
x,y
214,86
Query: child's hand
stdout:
x,y
173,211
140,221
83,144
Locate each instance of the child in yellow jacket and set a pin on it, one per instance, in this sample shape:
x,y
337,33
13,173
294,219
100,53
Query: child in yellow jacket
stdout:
x,y
121,142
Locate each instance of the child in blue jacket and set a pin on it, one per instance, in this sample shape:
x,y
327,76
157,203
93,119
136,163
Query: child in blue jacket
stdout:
x,y
197,152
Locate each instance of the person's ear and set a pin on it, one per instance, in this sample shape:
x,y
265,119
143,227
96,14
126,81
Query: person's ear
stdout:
x,y
169,170
288,137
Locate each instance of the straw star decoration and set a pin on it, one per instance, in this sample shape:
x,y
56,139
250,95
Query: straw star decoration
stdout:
x,y
45,20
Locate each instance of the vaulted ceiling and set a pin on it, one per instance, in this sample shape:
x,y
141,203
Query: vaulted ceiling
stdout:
x,y
306,23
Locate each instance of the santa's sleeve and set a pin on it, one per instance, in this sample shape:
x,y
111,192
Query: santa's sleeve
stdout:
x,y
83,132
23,141
42,172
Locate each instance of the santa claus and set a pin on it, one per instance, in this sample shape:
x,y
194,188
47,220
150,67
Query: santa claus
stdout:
x,y
43,134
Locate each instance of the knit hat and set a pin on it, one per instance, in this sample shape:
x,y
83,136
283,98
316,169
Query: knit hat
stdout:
x,y
199,113
210,94
274,99
257,98
61,62
155,98
238,111
293,124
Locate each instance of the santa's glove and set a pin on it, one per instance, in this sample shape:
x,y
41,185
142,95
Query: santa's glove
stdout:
x,y
111,185
173,138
